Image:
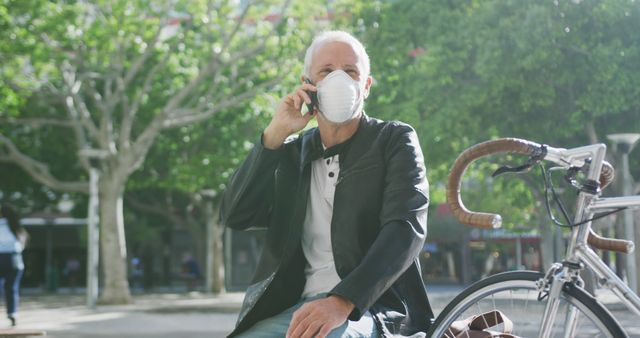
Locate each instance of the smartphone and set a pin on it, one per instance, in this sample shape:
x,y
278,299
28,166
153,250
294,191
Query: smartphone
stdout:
x,y
313,96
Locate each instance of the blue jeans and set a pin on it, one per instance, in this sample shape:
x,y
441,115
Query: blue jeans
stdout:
x,y
10,277
278,325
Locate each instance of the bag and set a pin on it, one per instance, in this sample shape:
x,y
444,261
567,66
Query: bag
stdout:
x,y
477,326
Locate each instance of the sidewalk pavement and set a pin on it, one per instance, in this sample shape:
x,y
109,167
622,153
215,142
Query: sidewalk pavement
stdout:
x,y
150,315
158,315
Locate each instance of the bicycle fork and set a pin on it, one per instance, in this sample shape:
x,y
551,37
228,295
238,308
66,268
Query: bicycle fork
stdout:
x,y
551,287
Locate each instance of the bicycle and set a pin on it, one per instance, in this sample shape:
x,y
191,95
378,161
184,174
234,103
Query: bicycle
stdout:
x,y
551,304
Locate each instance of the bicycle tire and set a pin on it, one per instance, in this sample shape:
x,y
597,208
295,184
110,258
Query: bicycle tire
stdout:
x,y
515,293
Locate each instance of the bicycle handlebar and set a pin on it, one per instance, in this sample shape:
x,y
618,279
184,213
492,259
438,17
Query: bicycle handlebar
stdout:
x,y
611,244
514,146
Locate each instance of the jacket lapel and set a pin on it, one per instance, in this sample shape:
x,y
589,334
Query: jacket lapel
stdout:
x,y
311,148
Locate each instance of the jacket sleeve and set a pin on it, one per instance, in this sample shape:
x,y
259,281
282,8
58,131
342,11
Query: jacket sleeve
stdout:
x,y
248,197
403,221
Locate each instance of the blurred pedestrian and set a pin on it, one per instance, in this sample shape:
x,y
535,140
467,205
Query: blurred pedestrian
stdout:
x,y
71,272
137,273
13,240
190,270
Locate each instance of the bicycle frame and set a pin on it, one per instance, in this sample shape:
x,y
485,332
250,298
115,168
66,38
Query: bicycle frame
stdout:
x,y
563,278
578,252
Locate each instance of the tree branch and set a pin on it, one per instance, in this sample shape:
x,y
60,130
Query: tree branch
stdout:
x,y
38,170
236,28
177,121
130,114
108,83
146,138
206,70
248,52
154,209
183,120
93,92
122,83
73,99
138,151
148,208
37,122
81,138
137,64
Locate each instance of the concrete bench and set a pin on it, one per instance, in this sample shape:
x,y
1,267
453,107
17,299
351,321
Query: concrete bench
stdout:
x,y
6,333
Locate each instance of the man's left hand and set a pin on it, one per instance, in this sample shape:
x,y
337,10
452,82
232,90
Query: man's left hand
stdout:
x,y
317,318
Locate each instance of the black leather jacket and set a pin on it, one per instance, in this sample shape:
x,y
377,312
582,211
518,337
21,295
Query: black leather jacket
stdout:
x,y
377,230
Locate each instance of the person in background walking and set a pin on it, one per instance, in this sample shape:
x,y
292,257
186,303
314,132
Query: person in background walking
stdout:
x,y
13,239
190,270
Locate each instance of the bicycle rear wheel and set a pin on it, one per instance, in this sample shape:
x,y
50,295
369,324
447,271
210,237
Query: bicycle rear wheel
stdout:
x,y
516,295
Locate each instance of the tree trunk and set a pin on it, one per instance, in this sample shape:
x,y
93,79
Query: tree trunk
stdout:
x,y
218,261
112,241
215,252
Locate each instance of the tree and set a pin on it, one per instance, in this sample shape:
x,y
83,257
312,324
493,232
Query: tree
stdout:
x,y
118,74
187,170
463,71
564,73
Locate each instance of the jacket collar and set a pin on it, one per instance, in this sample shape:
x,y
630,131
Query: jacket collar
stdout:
x,y
312,144
311,147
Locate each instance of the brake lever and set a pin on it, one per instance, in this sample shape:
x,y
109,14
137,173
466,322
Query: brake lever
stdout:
x,y
570,176
509,169
533,160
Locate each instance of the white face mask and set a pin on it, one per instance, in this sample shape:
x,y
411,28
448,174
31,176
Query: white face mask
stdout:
x,y
339,97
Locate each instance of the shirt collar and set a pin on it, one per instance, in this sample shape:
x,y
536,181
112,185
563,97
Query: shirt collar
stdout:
x,y
312,148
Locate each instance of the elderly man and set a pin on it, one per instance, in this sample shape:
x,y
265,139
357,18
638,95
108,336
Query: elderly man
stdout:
x,y
345,205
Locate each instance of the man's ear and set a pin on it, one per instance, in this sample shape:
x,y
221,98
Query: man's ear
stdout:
x,y
302,77
367,86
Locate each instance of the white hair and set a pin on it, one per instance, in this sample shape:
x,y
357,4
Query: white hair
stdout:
x,y
337,36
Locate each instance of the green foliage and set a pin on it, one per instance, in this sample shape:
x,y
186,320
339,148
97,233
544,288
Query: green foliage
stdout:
x,y
465,71
99,42
202,156
460,72
186,161
25,65
205,155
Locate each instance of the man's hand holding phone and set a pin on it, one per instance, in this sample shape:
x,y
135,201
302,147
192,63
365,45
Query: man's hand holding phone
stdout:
x,y
288,118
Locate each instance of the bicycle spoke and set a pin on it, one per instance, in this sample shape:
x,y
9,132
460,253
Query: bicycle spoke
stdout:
x,y
516,295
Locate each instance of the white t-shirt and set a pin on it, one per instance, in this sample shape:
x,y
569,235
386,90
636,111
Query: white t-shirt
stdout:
x,y
320,271
8,241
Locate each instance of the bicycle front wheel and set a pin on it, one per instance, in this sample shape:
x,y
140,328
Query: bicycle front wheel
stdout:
x,y
516,295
